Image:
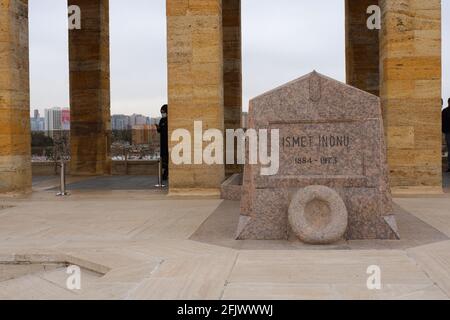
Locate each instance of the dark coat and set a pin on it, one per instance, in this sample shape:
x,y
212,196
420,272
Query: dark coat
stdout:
x,y
164,137
446,120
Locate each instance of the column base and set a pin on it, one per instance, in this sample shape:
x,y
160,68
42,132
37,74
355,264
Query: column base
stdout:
x,y
402,191
194,192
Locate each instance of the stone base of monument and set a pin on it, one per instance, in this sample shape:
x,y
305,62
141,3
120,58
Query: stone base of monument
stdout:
x,y
219,229
332,181
315,218
231,189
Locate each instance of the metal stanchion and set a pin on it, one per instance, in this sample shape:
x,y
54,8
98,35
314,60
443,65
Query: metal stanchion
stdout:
x,y
160,181
62,191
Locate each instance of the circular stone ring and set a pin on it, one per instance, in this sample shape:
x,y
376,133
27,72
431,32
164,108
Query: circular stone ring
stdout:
x,y
318,215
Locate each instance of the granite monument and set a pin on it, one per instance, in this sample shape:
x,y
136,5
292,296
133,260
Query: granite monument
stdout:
x,y
332,182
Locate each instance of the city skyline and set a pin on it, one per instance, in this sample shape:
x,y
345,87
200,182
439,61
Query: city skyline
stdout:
x,y
138,49
56,118
42,110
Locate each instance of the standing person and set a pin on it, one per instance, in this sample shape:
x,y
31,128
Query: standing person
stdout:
x,y
163,129
446,130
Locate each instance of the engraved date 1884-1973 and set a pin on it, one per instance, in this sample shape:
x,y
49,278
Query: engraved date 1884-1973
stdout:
x,y
321,161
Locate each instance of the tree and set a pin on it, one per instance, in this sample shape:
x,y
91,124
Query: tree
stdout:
x,y
39,139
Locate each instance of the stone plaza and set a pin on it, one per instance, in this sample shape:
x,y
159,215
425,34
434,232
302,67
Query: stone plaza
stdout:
x,y
360,182
145,245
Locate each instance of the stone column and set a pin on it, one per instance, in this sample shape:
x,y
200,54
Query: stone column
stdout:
x,y
362,47
195,75
410,50
232,73
15,144
90,90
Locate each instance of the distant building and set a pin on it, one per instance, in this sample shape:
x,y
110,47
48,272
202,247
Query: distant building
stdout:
x,y
145,134
37,122
52,120
154,121
120,122
138,119
65,119
56,119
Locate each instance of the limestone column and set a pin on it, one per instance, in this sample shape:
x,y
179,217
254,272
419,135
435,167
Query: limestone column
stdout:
x,y
90,90
410,58
232,73
15,144
195,76
362,47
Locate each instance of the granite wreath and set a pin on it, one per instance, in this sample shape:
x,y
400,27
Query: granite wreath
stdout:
x,y
331,137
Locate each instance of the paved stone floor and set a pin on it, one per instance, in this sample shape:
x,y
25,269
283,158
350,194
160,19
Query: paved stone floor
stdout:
x,y
107,183
142,244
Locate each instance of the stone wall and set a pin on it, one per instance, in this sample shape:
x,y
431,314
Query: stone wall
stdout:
x,y
90,90
15,138
195,76
362,47
411,92
232,70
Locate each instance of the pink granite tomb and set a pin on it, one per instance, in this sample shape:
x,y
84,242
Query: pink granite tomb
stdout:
x,y
332,182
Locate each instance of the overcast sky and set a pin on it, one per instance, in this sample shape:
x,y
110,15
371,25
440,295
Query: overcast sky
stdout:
x,y
282,40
